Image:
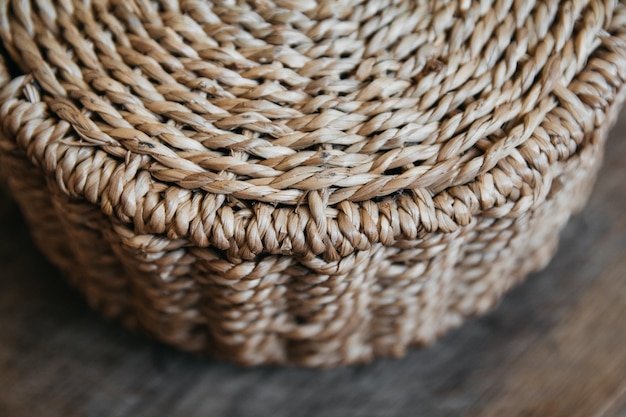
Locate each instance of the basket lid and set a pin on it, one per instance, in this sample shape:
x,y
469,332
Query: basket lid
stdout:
x,y
172,110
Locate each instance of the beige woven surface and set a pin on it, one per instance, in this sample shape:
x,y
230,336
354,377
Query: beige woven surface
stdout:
x,y
314,183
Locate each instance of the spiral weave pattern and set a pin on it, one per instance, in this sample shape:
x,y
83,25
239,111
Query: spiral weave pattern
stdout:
x,y
303,182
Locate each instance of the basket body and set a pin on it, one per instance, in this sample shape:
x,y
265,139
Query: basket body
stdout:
x,y
168,226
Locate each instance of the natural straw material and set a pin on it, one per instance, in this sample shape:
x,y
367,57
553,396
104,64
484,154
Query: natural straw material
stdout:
x,y
304,182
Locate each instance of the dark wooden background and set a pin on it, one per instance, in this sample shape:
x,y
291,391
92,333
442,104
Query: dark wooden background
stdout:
x,y
555,347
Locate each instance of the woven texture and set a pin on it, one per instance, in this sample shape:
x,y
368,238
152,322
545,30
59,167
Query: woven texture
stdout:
x,y
303,182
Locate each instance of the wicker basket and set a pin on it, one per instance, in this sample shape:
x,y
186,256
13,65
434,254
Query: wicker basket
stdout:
x,y
301,182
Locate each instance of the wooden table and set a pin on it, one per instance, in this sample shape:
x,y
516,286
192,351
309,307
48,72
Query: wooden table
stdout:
x,y
556,346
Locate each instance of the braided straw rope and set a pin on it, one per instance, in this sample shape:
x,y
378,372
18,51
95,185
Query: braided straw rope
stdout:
x,y
304,182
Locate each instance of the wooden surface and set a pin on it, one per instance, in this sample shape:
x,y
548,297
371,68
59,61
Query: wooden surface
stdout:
x,y
556,346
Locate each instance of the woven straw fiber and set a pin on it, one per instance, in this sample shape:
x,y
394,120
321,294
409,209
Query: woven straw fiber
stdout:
x,y
303,182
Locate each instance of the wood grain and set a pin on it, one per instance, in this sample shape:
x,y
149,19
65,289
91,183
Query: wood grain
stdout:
x,y
555,347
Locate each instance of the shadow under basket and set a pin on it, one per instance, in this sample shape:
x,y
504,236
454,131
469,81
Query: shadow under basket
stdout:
x,y
304,183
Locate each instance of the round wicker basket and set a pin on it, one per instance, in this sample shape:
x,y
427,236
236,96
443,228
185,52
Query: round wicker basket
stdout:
x,y
303,182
